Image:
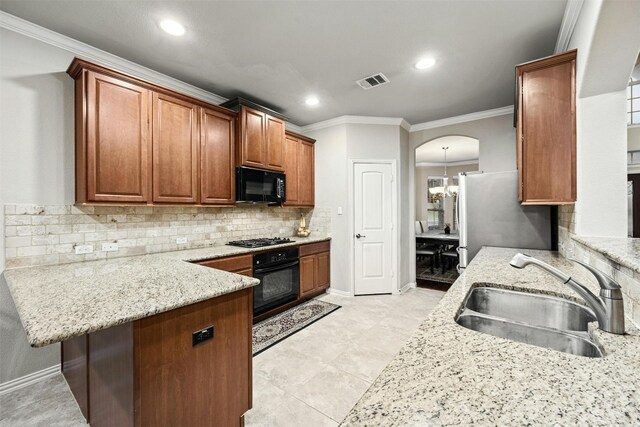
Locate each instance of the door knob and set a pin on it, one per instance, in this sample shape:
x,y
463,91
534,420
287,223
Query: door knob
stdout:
x,y
359,236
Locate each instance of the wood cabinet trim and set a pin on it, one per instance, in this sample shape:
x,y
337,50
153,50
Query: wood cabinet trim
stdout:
x,y
77,66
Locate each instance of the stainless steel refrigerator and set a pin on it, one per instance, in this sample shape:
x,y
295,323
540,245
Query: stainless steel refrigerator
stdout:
x,y
489,214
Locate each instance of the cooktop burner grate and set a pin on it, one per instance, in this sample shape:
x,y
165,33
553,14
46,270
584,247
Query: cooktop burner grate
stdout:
x,y
261,242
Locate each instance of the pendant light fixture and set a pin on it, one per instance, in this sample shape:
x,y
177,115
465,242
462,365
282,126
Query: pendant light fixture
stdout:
x,y
445,181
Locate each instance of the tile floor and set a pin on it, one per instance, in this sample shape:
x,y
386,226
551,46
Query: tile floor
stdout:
x,y
312,378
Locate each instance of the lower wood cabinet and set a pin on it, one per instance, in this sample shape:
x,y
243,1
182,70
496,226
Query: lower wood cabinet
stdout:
x,y
149,372
242,264
315,269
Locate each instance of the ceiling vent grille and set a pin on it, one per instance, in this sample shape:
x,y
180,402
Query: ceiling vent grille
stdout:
x,y
373,81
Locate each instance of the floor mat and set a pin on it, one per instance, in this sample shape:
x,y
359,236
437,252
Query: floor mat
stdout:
x,y
276,328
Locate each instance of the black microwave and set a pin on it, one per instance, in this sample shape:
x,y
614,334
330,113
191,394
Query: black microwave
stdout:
x,y
259,186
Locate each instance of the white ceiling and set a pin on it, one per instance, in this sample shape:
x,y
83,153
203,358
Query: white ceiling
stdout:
x,y
462,150
278,53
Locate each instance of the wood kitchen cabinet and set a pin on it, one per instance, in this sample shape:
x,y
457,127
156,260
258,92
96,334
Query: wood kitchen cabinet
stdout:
x,y
546,130
175,150
261,135
151,372
242,264
112,140
217,146
314,268
261,140
139,143
299,169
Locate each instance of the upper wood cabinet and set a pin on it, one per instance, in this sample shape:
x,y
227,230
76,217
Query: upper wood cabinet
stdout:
x,y
299,168
275,144
217,145
112,157
261,135
141,143
546,130
175,150
261,140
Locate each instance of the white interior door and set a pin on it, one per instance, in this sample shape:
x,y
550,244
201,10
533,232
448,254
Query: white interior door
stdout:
x,y
373,228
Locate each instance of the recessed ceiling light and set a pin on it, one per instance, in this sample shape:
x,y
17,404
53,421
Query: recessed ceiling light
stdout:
x,y
172,27
425,63
311,101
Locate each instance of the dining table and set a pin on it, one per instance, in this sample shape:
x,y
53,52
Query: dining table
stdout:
x,y
438,237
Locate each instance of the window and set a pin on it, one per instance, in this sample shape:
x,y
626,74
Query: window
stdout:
x,y
441,210
633,103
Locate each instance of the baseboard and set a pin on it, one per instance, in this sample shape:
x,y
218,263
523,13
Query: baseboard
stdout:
x,y
407,286
339,293
18,383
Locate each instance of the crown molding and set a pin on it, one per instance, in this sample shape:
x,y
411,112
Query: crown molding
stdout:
x,y
463,118
571,14
449,164
293,128
93,54
358,120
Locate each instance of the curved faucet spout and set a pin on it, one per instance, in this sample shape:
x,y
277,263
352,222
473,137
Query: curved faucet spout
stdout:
x,y
608,307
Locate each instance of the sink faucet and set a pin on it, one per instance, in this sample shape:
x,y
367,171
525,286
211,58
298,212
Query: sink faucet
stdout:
x,y
608,307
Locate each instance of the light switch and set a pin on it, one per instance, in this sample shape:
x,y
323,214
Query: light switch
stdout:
x,y
339,210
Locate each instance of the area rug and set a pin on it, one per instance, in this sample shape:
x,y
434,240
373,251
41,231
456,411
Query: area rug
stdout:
x,y
273,330
423,272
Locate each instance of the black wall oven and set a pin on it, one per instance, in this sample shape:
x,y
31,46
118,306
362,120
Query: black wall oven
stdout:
x,y
259,186
279,274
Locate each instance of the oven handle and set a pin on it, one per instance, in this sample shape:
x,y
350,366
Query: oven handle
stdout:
x,y
275,268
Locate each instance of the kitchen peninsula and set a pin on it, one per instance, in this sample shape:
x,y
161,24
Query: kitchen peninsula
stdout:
x,y
147,340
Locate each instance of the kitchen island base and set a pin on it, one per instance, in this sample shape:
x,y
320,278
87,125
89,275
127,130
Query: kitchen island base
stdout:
x,y
167,369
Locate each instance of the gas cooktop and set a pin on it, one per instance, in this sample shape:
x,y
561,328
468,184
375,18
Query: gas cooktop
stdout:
x,y
261,242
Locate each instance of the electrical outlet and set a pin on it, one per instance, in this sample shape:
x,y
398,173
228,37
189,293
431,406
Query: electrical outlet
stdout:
x,y
339,210
83,249
181,240
110,247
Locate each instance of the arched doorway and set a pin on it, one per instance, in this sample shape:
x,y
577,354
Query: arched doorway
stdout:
x,y
437,165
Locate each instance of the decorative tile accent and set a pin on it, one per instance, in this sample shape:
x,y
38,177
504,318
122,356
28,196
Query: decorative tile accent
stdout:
x,y
48,234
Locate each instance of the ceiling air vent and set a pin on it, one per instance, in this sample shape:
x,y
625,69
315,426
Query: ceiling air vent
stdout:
x,y
373,81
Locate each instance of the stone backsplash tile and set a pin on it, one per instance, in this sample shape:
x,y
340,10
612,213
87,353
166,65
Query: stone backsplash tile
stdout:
x,y
48,234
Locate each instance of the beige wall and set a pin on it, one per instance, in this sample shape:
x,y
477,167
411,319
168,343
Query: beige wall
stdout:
x,y
633,138
422,173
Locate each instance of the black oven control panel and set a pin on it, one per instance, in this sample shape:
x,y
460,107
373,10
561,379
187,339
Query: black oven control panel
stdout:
x,y
275,257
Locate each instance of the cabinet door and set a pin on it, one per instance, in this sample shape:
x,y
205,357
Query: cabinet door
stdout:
x,y
291,168
175,150
275,144
217,142
117,140
306,172
546,130
208,384
252,148
307,274
322,272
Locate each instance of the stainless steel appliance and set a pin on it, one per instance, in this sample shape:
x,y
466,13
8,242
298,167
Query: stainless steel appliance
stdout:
x,y
259,186
489,214
279,274
260,242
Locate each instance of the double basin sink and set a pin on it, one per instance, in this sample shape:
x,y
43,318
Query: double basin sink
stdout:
x,y
536,319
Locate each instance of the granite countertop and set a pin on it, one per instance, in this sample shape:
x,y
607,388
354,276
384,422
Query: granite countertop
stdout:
x,y
58,302
623,250
450,375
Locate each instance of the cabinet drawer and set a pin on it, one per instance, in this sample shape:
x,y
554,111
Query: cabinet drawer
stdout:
x,y
232,264
314,248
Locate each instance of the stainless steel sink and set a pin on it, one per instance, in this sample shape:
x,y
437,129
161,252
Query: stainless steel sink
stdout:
x,y
534,309
535,319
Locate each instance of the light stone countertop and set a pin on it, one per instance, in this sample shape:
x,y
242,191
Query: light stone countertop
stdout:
x,y
623,250
450,375
58,302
